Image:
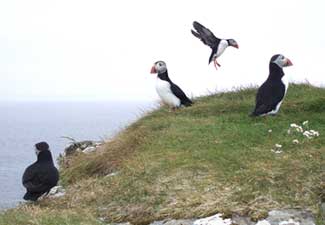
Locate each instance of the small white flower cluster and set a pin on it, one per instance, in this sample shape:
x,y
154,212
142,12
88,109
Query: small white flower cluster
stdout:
x,y
296,128
310,134
300,129
277,149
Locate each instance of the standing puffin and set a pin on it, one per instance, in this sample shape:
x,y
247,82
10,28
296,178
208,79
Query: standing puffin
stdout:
x,y
41,176
169,92
217,45
271,94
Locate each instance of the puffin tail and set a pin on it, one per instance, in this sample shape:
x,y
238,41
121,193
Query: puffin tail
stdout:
x,y
188,103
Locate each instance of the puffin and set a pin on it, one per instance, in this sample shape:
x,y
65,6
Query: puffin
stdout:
x,y
217,45
271,93
41,176
171,94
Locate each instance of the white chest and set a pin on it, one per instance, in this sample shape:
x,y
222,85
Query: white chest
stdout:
x,y
285,81
164,91
222,47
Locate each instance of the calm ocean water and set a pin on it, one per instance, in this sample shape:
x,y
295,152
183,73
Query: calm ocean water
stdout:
x,y
25,123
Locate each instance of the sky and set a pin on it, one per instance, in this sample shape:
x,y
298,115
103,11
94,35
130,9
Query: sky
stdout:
x,y
104,50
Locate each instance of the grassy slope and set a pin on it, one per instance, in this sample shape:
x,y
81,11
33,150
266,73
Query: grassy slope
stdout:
x,y
195,162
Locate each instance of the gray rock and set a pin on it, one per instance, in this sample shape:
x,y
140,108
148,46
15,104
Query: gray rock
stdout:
x,y
290,217
242,220
173,222
82,146
126,223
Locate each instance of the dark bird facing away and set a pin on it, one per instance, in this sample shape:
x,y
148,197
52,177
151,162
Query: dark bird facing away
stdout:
x,y
169,92
217,45
41,176
270,95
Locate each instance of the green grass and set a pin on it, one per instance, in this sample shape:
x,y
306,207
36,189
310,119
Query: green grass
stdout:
x,y
208,158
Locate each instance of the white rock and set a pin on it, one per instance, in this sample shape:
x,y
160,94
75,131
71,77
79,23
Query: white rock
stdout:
x,y
213,220
295,141
289,222
89,149
263,222
56,192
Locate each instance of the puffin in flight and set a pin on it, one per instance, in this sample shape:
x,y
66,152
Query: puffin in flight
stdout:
x,y
271,94
217,45
169,92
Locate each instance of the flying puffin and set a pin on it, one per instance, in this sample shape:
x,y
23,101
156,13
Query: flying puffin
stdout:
x,y
271,94
169,92
217,45
41,176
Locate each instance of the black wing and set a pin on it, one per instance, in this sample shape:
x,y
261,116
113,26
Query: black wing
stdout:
x,y
205,35
177,91
39,178
267,97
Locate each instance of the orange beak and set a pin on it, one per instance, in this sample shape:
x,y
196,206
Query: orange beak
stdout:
x,y
289,63
153,69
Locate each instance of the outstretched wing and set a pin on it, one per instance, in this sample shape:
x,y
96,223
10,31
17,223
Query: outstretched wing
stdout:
x,y
205,35
177,91
267,98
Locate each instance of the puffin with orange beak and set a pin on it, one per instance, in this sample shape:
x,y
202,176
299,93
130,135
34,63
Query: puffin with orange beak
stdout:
x,y
169,92
270,95
217,45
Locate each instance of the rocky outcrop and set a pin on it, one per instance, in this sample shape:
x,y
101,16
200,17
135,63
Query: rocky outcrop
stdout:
x,y
82,146
275,217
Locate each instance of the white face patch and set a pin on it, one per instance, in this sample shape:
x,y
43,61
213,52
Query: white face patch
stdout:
x,y
281,61
161,67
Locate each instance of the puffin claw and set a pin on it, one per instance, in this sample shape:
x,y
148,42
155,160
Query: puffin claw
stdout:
x,y
216,64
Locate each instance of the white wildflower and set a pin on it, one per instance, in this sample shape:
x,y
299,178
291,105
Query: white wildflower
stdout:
x,y
299,129
294,125
314,133
270,131
307,134
278,146
305,123
295,141
276,151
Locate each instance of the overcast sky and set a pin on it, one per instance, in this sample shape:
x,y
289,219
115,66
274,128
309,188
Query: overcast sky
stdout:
x,y
103,50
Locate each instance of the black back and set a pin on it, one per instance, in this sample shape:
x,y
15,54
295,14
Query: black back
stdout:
x,y
177,91
271,92
207,37
40,177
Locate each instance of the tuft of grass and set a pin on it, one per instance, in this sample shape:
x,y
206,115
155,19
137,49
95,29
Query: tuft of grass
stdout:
x,y
208,158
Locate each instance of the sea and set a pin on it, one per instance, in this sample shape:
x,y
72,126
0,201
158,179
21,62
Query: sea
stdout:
x,y
22,124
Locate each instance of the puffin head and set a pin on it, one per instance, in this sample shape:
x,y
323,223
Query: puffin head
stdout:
x,y
233,43
280,61
159,67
